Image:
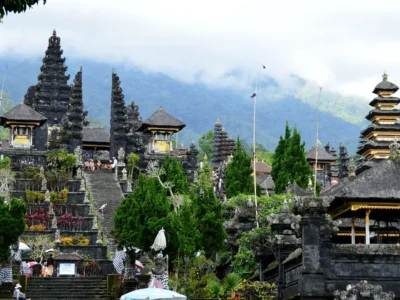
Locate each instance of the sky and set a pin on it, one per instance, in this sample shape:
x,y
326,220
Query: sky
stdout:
x,y
343,46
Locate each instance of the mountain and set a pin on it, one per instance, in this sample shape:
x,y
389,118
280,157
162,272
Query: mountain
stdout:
x,y
199,105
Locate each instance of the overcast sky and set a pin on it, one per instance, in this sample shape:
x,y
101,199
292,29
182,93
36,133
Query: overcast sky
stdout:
x,y
344,46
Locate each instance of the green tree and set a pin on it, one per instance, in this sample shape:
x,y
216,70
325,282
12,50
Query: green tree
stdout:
x,y
12,225
204,180
206,142
290,164
16,6
239,179
6,105
263,154
142,214
209,218
175,175
132,161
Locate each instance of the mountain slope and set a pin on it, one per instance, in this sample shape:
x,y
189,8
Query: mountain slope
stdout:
x,y
197,105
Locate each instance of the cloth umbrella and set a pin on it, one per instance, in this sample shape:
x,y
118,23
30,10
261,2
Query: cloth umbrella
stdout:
x,y
50,250
138,264
32,263
160,242
23,247
153,294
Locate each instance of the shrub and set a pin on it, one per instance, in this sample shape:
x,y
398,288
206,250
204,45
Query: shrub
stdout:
x,y
33,197
38,227
5,163
67,241
64,195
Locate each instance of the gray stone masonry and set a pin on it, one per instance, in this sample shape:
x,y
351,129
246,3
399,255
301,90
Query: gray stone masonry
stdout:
x,y
104,188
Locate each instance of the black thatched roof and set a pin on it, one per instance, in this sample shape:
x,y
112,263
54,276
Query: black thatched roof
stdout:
x,y
384,99
296,190
373,144
22,112
322,154
385,86
162,119
380,127
380,112
380,182
265,181
96,135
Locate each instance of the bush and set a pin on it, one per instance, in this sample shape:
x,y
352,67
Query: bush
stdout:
x,y
5,163
34,197
61,197
75,241
38,227
66,241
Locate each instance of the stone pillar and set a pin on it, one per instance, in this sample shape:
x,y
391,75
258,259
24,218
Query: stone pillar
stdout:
x,y
353,230
367,212
311,244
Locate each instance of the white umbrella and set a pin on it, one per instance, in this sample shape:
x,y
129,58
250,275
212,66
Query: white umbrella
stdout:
x,y
160,242
50,250
153,294
23,247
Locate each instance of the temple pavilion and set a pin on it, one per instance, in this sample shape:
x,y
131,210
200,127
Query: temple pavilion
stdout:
x,y
159,129
384,128
22,120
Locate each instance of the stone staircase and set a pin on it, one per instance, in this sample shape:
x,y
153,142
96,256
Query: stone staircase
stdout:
x,y
41,288
105,188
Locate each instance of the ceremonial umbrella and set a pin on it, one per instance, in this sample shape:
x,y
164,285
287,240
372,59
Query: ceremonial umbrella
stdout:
x,y
153,294
23,247
160,242
32,263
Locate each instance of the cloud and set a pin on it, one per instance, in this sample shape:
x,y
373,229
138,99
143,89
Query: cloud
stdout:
x,y
343,46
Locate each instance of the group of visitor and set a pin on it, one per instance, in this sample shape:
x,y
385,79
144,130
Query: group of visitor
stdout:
x,y
92,165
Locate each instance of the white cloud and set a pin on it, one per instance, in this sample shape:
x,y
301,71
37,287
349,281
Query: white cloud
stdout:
x,y
343,45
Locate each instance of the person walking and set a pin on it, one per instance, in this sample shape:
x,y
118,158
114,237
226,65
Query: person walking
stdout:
x,y
17,292
50,266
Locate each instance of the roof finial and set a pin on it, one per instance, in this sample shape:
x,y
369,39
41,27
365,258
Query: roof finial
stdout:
x,y
113,71
385,76
218,121
223,129
80,70
161,108
54,32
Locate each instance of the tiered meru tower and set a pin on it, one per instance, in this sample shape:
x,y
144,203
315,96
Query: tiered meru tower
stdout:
x,y
384,128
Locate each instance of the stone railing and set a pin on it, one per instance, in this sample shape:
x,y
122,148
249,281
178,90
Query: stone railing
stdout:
x,y
363,249
20,158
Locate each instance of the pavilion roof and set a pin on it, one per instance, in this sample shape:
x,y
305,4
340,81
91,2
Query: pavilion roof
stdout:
x,y
22,112
162,119
96,135
385,85
379,182
323,155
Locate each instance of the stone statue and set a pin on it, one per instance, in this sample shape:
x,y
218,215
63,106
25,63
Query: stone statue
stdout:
x,y
86,201
129,187
352,168
41,172
94,226
47,197
124,174
79,173
160,265
54,222
51,211
78,155
57,239
99,240
121,154
363,290
91,211
394,149
44,184
83,185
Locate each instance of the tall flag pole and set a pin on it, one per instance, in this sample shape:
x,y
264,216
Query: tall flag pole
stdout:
x,y
317,144
254,96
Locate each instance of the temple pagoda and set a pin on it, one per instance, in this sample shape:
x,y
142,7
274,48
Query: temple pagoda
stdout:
x,y
384,128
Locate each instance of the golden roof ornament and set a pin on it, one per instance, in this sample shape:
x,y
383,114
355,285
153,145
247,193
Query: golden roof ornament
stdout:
x,y
385,76
161,108
223,129
218,121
